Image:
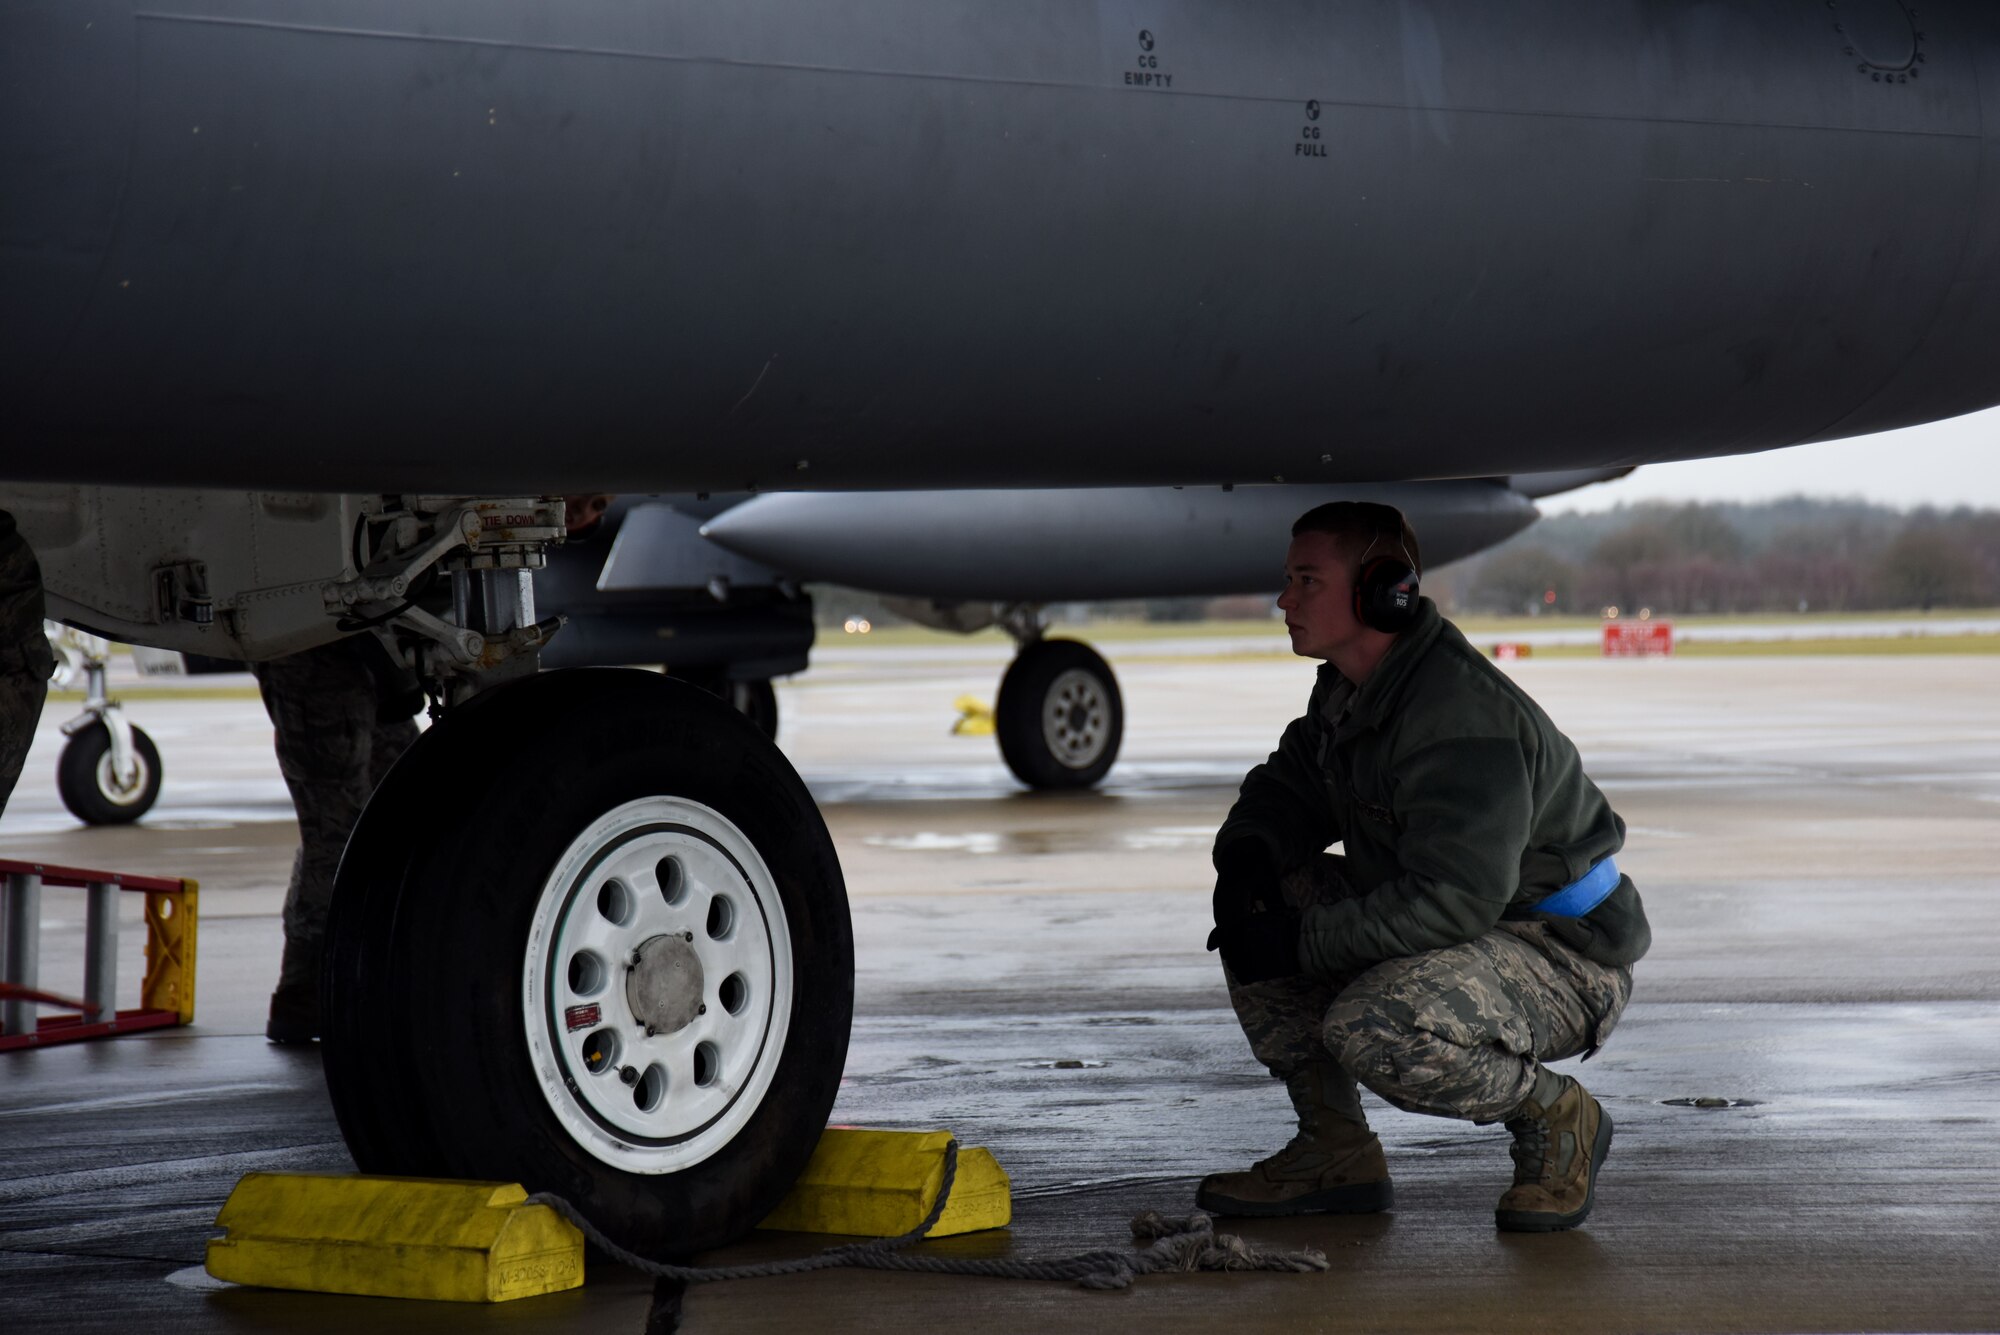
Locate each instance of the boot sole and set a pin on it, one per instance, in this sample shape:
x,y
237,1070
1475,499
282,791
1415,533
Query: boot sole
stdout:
x,y
1359,1198
1529,1221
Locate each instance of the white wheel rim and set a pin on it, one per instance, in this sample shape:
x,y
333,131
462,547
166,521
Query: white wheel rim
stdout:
x,y
1076,718
114,792
663,913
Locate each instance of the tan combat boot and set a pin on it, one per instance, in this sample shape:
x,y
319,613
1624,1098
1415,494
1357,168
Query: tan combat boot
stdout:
x,y
1334,1165
1558,1148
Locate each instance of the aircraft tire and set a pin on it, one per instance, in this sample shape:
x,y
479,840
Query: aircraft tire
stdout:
x,y
527,896
1059,716
88,787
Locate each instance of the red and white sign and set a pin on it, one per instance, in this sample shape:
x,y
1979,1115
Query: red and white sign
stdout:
x,y
1638,639
1512,649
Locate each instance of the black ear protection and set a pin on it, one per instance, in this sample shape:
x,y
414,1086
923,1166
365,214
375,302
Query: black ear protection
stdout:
x,y
1385,592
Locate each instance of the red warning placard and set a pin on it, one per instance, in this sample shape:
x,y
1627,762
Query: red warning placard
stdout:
x,y
1638,639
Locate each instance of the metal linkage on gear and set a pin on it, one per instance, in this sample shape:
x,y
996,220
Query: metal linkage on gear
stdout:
x,y
1023,621
476,628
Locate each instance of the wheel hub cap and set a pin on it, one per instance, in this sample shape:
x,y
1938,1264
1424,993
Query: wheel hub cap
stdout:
x,y
656,988
1076,720
664,985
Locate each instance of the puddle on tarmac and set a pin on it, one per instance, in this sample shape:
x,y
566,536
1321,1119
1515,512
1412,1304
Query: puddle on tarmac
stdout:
x,y
1035,843
1063,1064
930,841
1171,836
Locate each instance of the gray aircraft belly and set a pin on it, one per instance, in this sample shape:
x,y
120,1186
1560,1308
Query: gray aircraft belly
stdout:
x,y
485,247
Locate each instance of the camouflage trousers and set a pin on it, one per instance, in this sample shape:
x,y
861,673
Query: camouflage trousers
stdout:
x,y
25,659
1459,1032
21,696
333,749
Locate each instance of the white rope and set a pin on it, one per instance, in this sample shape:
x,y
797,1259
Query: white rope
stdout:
x,y
1177,1245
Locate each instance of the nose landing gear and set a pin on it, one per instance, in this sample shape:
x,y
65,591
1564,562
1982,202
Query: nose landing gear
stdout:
x,y
109,771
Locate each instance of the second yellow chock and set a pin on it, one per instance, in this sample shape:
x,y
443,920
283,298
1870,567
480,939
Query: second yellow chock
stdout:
x,y
882,1183
394,1237
974,718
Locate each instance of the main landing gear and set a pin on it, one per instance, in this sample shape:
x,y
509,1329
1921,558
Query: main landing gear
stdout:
x,y
591,936
1059,716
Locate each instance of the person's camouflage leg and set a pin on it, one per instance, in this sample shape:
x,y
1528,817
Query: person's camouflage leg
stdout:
x,y
26,660
21,697
1459,1032
1561,1137
1334,1165
333,749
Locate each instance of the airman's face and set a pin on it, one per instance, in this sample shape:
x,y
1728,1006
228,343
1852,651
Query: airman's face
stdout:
x,y
1318,600
582,512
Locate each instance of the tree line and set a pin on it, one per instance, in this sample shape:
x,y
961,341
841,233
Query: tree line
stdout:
x,y
1797,554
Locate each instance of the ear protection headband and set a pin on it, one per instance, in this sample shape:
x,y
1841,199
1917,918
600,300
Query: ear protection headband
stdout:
x,y
1385,592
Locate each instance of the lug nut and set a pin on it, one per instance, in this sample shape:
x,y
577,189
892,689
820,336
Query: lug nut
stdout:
x,y
701,1009
629,1074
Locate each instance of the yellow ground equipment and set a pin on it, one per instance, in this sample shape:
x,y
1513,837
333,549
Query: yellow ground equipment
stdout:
x,y
881,1184
394,1237
974,718
167,994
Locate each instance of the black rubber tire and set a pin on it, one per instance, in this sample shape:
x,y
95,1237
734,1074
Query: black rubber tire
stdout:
x,y
1025,696
426,1046
78,778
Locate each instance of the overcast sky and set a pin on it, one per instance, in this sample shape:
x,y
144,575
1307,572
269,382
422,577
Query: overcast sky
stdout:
x,y
1943,464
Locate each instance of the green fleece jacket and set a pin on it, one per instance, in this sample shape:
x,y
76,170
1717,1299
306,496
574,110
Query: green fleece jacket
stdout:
x,y
1458,803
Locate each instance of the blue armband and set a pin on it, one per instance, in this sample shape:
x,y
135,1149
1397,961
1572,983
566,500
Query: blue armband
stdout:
x,y
1583,894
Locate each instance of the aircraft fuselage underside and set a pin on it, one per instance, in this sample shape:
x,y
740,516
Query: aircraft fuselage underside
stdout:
x,y
504,248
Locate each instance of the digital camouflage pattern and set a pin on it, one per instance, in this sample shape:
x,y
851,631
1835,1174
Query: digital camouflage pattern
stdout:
x,y
26,661
1456,1032
333,748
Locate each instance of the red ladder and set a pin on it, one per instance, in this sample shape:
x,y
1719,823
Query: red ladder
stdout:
x,y
166,996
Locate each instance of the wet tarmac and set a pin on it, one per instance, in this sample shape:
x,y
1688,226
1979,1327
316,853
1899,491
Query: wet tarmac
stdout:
x,y
1818,841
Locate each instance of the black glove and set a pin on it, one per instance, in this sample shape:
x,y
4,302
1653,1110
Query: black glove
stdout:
x,y
1259,946
1246,881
